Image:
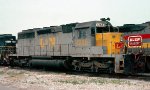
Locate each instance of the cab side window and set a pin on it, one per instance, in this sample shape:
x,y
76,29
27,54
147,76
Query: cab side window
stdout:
x,y
81,33
92,31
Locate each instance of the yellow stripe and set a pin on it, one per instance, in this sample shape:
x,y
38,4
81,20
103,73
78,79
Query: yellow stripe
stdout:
x,y
144,45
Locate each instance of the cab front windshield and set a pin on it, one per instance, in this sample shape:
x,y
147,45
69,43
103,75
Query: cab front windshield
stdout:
x,y
104,29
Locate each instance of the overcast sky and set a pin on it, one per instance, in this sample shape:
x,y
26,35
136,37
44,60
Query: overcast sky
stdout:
x,y
17,15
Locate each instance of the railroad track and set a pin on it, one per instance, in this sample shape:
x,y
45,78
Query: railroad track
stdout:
x,y
140,76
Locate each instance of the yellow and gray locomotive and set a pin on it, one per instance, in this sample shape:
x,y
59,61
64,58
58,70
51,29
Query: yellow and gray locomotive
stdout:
x,y
94,46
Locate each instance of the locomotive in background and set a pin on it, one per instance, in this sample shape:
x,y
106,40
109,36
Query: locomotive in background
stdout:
x,y
7,46
137,44
94,46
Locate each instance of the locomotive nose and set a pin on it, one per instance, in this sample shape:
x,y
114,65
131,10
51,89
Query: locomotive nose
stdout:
x,y
111,42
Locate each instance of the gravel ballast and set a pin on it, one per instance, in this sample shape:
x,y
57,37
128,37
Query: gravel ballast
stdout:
x,y
51,80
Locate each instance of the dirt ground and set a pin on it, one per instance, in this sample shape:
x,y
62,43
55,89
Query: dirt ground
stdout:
x,y
52,80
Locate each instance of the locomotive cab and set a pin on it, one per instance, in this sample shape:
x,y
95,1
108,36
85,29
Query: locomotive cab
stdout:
x,y
102,46
107,38
110,40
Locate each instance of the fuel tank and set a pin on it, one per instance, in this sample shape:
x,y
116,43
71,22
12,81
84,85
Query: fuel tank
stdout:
x,y
48,62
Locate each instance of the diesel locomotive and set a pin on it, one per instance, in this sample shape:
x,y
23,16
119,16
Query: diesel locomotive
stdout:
x,y
94,46
7,46
137,43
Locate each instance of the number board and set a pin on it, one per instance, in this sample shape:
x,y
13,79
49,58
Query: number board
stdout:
x,y
100,25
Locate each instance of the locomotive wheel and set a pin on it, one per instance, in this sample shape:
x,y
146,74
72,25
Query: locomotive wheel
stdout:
x,y
78,68
94,69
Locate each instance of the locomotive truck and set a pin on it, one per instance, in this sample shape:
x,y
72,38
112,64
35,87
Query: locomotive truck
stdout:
x,y
94,46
